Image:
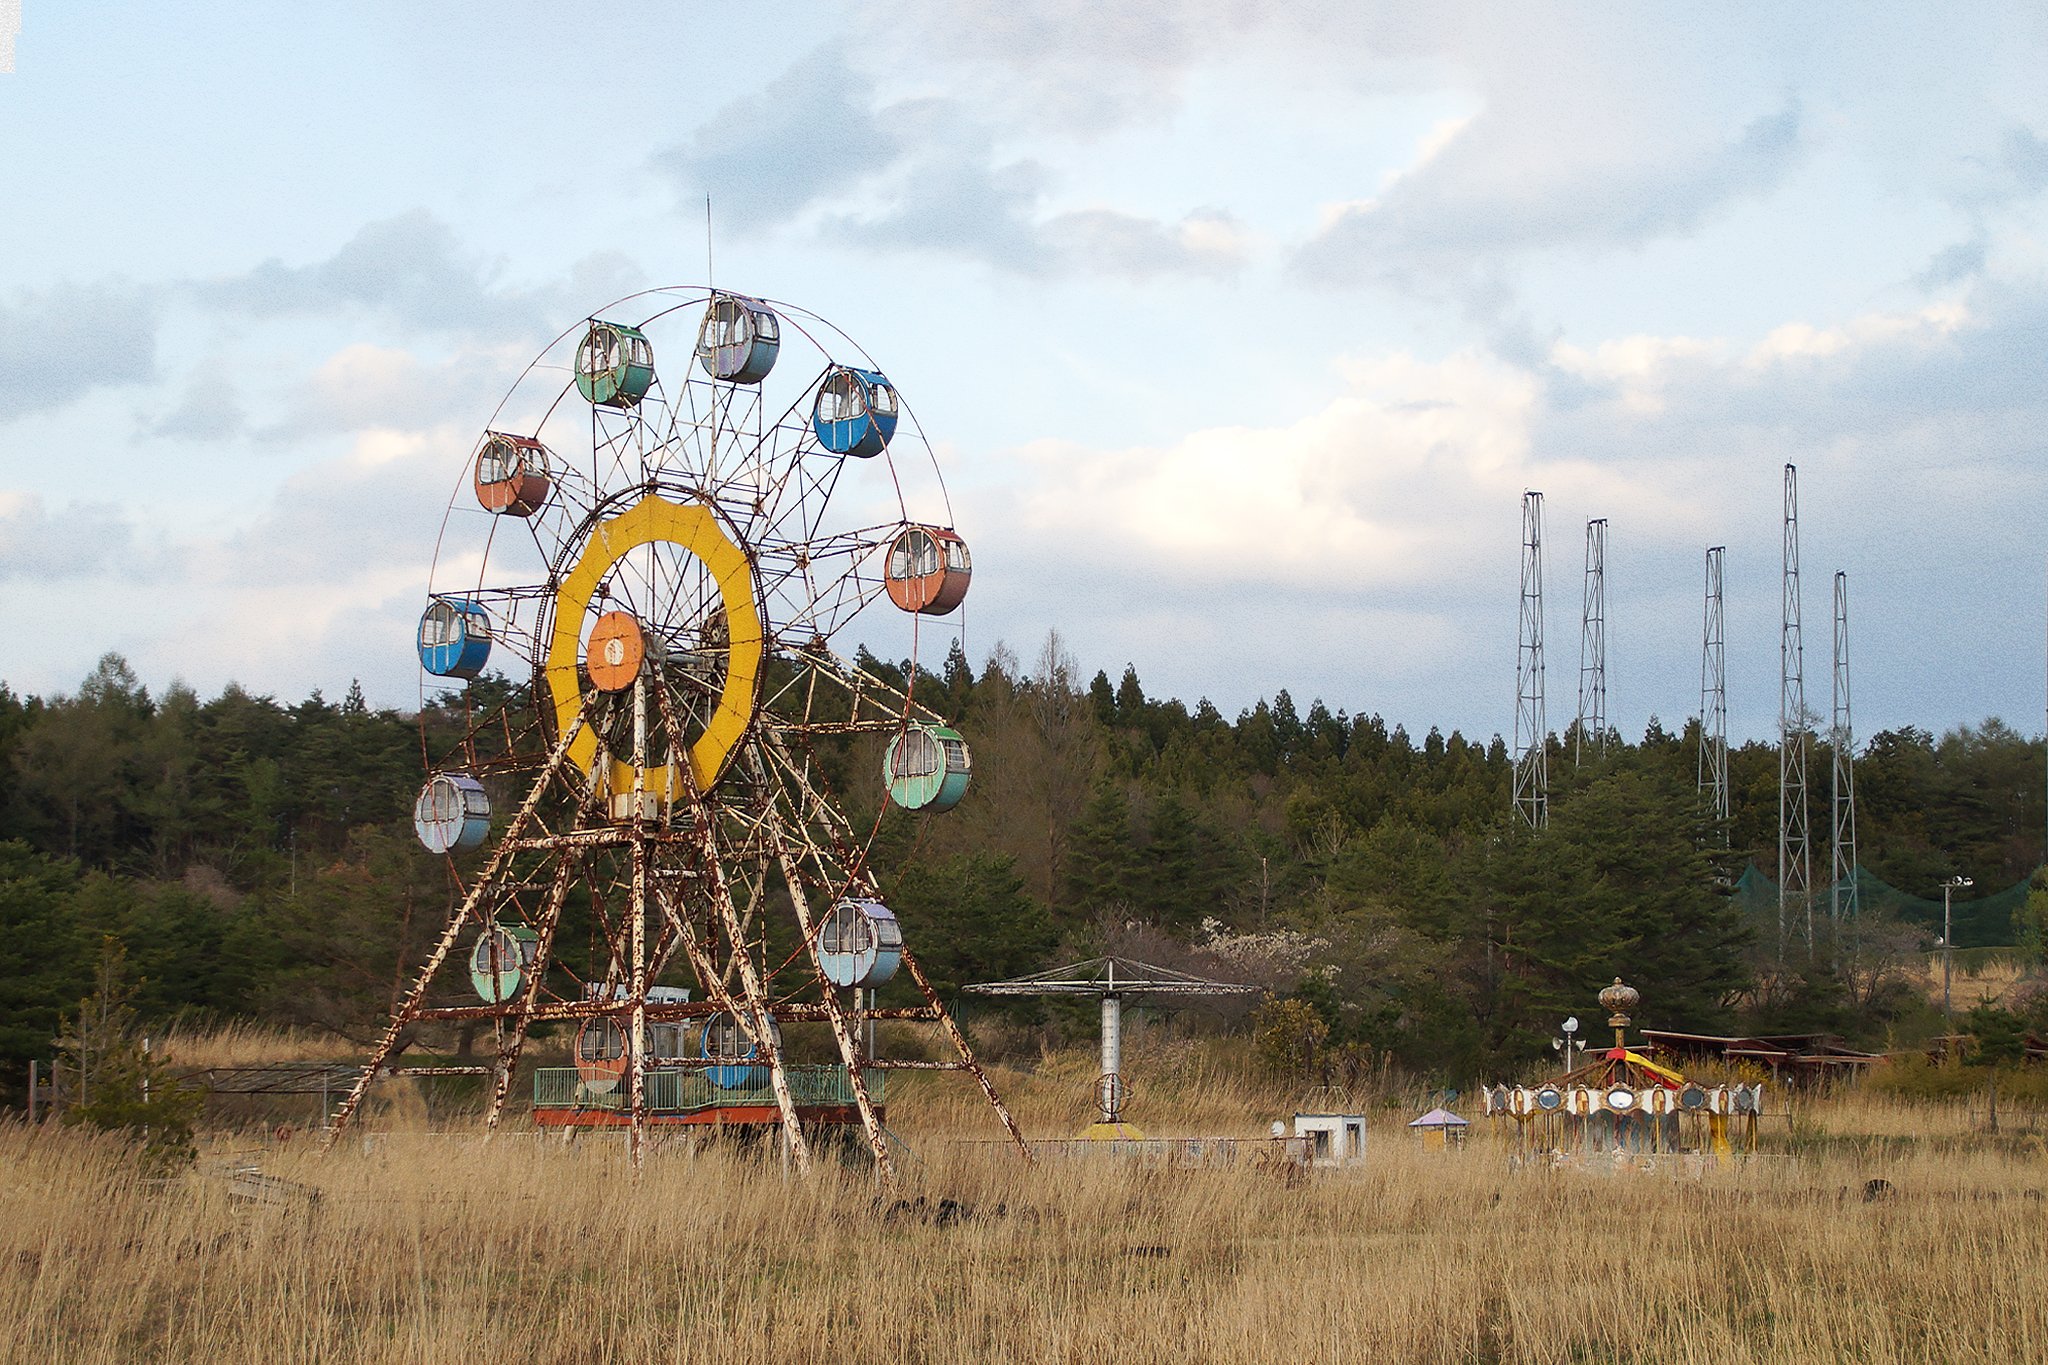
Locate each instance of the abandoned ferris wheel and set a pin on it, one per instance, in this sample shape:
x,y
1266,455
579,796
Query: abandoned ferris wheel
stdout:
x,y
661,555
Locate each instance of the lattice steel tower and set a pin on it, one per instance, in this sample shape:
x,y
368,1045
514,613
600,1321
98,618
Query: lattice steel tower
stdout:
x,y
1593,646
1795,864
1532,765
1842,895
1713,766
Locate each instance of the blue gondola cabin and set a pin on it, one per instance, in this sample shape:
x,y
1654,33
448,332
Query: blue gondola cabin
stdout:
x,y
739,340
725,1040
614,365
454,638
855,413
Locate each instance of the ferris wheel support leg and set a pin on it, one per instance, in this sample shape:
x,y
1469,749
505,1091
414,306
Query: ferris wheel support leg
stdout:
x,y
752,992
745,1010
764,1035
508,1055
849,1049
966,1053
636,1036
406,1012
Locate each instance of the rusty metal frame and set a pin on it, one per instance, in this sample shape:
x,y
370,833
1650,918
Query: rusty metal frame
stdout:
x,y
697,880
678,883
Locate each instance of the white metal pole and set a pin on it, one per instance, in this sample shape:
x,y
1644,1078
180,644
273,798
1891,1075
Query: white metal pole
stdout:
x,y
1112,1057
1948,946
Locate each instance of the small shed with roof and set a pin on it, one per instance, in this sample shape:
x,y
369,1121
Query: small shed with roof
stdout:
x,y
1440,1128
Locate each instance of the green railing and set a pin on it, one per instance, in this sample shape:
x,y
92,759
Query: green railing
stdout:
x,y
675,1091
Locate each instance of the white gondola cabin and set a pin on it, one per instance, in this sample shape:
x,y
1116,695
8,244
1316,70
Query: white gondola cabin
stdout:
x,y
739,340
855,413
928,570
453,812
454,638
513,475
927,768
614,365
860,943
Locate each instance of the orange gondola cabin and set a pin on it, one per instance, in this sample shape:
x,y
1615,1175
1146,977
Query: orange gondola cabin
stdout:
x,y
928,570
513,475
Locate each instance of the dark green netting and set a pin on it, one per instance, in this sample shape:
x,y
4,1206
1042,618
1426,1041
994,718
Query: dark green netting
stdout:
x,y
1981,922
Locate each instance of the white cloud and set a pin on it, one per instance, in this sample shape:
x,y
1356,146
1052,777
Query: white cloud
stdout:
x,y
83,541
60,344
209,410
367,387
1373,489
1464,210
1368,551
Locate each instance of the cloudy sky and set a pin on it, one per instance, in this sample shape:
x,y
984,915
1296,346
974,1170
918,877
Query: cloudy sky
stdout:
x,y
1240,328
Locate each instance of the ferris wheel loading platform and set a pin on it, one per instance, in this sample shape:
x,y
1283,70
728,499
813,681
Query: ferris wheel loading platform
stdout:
x,y
702,1096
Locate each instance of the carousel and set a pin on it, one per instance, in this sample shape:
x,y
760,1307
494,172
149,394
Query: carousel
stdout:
x,y
1624,1105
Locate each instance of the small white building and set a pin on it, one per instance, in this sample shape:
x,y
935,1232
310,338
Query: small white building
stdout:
x,y
1334,1139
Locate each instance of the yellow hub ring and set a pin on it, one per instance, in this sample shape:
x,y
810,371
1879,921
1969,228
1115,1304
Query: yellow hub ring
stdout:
x,y
695,529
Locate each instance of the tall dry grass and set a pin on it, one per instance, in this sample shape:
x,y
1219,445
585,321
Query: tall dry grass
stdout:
x,y
432,1249
242,1043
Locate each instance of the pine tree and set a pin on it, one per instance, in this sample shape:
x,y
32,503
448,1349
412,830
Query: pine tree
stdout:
x,y
119,1086
1102,858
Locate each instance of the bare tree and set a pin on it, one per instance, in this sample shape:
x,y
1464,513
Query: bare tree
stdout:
x,y
1035,756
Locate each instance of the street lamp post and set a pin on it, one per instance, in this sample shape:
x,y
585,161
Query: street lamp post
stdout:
x,y
1571,1029
1948,945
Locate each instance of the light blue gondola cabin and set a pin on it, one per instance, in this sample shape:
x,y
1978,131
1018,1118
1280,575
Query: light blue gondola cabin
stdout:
x,y
927,768
860,943
724,1039
500,960
614,365
454,638
739,340
855,413
452,813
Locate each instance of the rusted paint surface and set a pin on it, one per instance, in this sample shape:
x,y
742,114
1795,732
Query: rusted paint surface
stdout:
x,y
617,649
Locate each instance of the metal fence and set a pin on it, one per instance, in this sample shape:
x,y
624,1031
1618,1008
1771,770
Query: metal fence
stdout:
x,y
1179,1154
677,1091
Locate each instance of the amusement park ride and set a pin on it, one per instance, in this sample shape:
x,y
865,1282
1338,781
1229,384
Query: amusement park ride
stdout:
x,y
655,546
1625,1106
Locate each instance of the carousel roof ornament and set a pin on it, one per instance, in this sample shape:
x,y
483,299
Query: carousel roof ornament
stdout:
x,y
1618,1000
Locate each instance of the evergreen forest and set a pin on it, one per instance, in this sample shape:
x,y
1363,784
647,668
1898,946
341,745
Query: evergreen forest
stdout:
x,y
255,860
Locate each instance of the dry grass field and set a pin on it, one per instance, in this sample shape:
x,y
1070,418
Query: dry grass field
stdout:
x,y
426,1247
